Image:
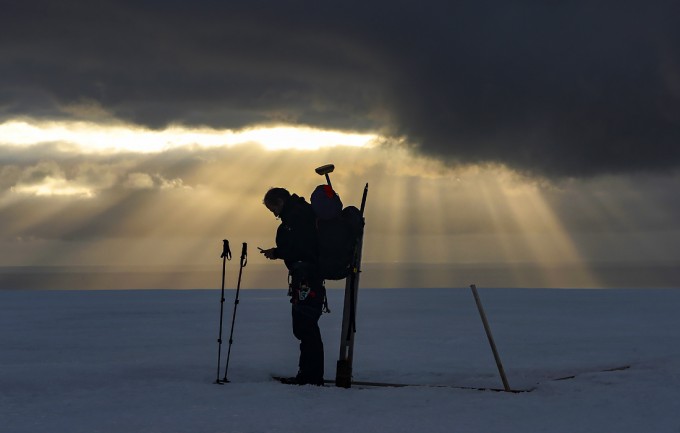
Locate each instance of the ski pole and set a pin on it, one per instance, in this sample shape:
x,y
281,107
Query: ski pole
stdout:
x,y
226,255
496,356
244,262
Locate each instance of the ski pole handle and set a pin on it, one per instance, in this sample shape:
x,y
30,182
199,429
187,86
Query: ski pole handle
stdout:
x,y
226,252
244,255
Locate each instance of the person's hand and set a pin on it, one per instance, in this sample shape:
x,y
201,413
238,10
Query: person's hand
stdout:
x,y
270,253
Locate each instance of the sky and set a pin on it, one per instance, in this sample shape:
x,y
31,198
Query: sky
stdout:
x,y
533,142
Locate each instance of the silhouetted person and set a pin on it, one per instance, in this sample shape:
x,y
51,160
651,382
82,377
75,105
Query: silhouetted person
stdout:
x,y
297,246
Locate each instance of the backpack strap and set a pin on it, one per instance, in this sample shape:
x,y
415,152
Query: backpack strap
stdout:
x,y
325,308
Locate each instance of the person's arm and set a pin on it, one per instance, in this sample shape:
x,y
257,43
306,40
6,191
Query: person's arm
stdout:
x,y
270,253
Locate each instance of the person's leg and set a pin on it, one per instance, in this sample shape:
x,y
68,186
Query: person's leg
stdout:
x,y
308,294
306,329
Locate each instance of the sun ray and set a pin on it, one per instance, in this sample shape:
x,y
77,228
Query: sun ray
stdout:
x,y
547,239
93,138
492,199
419,210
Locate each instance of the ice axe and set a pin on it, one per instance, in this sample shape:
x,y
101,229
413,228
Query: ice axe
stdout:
x,y
324,170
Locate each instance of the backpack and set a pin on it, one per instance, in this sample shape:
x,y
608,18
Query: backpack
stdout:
x,y
338,230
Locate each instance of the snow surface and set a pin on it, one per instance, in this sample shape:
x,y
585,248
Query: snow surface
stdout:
x,y
145,361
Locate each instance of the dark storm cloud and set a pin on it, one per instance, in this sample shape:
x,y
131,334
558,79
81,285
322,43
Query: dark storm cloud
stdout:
x,y
573,88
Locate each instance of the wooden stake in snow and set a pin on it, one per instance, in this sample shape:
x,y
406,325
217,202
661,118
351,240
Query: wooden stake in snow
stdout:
x,y
490,337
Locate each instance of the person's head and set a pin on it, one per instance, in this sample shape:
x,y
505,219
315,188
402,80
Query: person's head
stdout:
x,y
274,200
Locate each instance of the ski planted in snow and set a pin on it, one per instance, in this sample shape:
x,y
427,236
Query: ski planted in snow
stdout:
x,y
343,372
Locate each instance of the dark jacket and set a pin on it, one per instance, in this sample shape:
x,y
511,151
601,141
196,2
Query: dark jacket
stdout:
x,y
296,238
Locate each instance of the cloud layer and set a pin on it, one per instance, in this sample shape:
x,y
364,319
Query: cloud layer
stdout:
x,y
579,88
